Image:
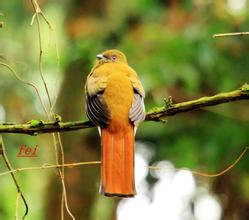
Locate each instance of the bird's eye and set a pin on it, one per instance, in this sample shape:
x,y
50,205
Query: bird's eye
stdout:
x,y
113,58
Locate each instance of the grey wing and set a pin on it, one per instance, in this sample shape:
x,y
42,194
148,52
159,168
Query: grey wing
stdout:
x,y
97,110
137,111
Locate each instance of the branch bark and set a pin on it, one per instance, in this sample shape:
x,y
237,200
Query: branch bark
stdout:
x,y
36,127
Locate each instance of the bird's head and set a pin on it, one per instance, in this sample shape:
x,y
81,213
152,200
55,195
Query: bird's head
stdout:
x,y
111,56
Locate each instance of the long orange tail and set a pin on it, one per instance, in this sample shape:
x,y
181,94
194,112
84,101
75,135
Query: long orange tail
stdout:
x,y
117,167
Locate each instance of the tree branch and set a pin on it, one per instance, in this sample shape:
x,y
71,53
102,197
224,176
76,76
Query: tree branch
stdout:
x,y
35,127
156,114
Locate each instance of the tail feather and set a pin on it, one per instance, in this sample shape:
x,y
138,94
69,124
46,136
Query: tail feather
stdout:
x,y
117,168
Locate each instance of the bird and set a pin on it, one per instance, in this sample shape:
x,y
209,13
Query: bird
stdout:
x,y
115,104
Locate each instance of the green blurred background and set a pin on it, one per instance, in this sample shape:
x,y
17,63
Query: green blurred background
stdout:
x,y
169,43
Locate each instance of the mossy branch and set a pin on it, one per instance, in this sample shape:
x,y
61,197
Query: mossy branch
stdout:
x,y
35,127
157,114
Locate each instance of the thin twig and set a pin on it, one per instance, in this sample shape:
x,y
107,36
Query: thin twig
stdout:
x,y
210,175
17,205
52,114
36,17
49,166
27,83
62,176
231,34
6,161
57,54
72,165
225,170
39,11
64,198
55,148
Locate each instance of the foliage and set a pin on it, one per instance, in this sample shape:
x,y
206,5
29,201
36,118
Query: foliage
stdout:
x,y
170,45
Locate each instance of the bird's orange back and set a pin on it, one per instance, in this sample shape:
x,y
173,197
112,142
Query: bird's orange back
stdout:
x,y
115,104
118,95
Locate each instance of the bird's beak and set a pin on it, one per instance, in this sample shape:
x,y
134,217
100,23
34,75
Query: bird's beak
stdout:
x,y
100,56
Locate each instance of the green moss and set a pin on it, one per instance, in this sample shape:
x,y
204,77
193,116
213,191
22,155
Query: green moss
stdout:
x,y
36,123
245,88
